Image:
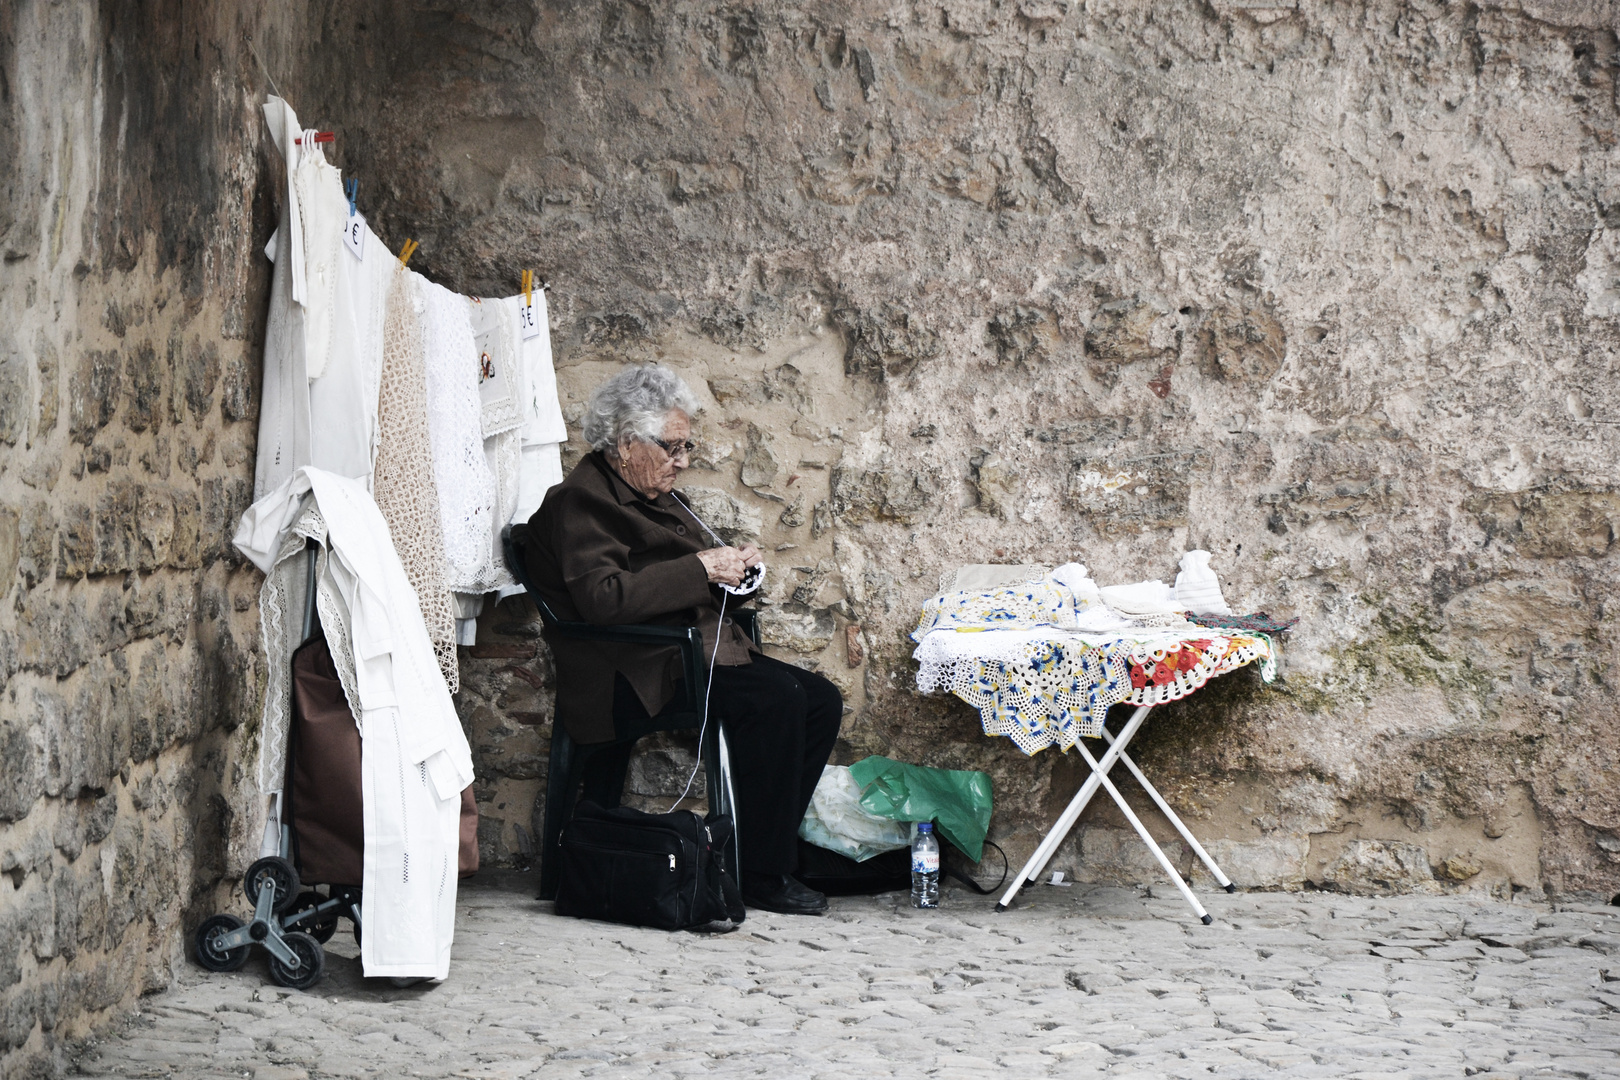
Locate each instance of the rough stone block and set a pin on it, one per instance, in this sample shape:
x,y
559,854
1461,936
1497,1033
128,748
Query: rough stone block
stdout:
x,y
1380,866
1241,345
1126,491
803,632
1274,862
22,748
759,467
36,537
10,549
197,367
145,376
93,393
16,401
737,524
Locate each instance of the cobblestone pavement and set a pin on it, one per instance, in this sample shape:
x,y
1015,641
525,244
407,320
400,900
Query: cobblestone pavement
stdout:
x,y
1072,982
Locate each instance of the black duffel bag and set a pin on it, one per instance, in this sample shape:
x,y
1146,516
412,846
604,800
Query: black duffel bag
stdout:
x,y
667,871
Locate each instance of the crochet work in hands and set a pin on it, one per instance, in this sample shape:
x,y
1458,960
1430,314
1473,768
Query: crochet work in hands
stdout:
x,y
403,485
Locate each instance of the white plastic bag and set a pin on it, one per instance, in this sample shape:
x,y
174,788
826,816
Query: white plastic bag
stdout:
x,y
837,821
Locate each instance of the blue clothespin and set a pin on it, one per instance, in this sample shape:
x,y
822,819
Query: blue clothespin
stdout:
x,y
352,186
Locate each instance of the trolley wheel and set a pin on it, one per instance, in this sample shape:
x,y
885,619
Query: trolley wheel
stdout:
x,y
212,957
321,930
311,961
275,871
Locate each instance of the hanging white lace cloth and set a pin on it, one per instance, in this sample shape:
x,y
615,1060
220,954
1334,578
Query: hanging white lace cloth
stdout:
x,y
284,423
406,492
493,337
542,410
1045,687
500,383
467,496
321,210
544,430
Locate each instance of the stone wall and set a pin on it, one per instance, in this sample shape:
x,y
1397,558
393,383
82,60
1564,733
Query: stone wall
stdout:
x,y
135,196
1334,284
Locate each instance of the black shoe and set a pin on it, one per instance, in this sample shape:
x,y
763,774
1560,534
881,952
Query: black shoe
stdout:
x,y
782,894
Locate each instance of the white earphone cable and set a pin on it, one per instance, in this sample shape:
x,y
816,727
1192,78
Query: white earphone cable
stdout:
x,y
703,729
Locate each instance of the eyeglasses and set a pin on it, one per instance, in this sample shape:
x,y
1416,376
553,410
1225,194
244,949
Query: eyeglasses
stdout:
x,y
675,449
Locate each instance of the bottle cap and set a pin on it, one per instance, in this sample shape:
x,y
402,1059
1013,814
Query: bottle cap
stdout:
x,y
925,826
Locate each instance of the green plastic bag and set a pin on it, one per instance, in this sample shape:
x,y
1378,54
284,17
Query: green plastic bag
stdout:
x,y
957,801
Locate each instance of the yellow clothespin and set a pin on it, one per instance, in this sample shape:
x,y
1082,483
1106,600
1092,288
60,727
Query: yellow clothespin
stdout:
x,y
528,288
407,251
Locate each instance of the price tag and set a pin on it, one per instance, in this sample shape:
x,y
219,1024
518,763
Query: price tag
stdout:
x,y
531,325
354,234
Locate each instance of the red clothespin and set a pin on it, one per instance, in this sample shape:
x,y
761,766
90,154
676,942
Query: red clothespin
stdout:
x,y
320,137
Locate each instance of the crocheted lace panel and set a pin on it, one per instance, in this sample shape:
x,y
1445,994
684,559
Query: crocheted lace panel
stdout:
x,y
403,483
465,480
1044,687
1011,607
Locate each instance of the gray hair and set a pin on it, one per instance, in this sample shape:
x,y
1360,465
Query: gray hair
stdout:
x,y
636,402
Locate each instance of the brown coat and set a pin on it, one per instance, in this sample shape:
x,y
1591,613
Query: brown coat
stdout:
x,y
601,552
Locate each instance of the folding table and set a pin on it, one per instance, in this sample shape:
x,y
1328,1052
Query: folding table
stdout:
x,y
1048,687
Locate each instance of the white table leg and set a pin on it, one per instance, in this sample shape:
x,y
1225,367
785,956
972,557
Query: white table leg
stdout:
x,y
1141,830
1071,813
1164,808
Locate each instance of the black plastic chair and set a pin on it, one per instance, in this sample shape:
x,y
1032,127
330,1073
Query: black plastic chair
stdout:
x,y
566,770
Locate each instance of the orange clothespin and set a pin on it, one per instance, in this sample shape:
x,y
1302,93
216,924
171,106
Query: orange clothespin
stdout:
x,y
528,288
320,137
407,251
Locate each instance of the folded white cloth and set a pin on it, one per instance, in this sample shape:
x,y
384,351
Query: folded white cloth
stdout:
x,y
1142,598
1092,615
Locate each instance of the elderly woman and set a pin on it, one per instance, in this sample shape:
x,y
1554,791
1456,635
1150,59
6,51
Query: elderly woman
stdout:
x,y
613,544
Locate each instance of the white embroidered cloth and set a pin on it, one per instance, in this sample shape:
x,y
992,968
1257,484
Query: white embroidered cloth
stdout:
x,y
466,483
500,383
321,211
1046,687
542,411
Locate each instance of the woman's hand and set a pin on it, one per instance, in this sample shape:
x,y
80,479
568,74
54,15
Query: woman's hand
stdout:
x,y
727,565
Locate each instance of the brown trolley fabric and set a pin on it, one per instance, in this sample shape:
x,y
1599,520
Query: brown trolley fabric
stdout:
x,y
324,799
324,805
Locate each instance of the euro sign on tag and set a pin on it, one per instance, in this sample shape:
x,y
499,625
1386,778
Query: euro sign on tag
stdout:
x,y
354,234
531,325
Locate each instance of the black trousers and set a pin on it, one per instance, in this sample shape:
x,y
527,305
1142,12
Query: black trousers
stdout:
x,y
780,723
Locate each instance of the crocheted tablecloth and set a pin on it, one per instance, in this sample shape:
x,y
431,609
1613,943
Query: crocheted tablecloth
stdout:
x,y
1046,687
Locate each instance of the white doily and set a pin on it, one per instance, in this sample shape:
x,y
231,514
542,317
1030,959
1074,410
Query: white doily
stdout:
x,y
1042,687
1012,607
466,483
404,485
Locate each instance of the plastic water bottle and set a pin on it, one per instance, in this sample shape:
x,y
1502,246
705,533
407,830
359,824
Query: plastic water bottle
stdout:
x,y
925,867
